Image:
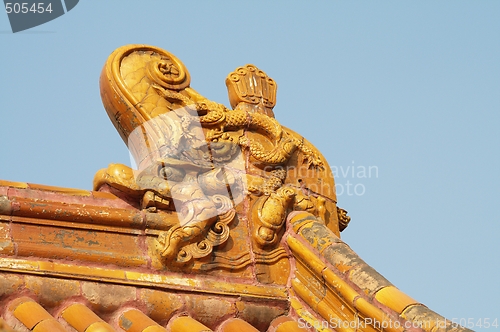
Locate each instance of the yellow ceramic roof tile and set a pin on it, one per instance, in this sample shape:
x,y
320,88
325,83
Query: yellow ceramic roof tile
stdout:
x,y
100,327
367,279
89,271
62,190
216,286
290,326
73,225
306,295
330,317
337,284
154,328
303,253
421,316
161,305
187,324
136,321
306,318
280,320
49,325
342,257
12,184
376,316
237,325
341,308
299,219
103,195
51,209
394,298
13,264
80,317
30,313
311,281
318,235
18,301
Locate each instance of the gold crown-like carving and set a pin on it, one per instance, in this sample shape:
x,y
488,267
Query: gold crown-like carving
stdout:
x,y
249,84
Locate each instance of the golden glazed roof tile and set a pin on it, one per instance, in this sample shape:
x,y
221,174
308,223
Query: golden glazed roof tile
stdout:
x,y
34,316
49,325
134,320
100,327
339,278
237,325
322,263
25,313
82,318
285,324
187,324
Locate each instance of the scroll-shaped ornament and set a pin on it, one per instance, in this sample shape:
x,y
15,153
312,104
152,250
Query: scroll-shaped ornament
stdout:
x,y
216,235
169,72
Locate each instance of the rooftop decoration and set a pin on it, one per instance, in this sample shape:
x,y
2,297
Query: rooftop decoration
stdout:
x,y
228,222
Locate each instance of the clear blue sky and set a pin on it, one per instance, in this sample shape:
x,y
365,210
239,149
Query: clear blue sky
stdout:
x,y
409,87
